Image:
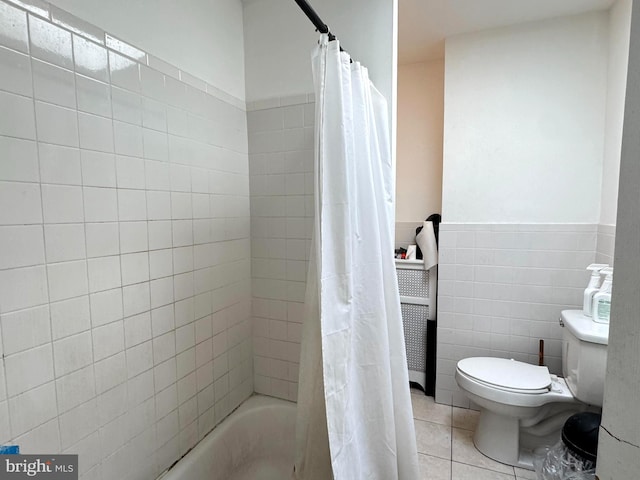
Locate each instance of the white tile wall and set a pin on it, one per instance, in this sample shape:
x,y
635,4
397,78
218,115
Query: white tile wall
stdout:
x,y
501,289
124,249
281,177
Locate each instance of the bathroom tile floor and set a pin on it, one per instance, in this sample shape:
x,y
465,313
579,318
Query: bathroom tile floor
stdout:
x,y
445,445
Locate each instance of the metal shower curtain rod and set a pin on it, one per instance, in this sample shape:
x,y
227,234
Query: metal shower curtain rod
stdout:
x,y
316,20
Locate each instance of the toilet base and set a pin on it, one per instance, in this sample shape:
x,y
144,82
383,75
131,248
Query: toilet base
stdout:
x,y
497,437
505,440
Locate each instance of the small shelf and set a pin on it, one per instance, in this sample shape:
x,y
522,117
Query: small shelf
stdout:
x,y
414,264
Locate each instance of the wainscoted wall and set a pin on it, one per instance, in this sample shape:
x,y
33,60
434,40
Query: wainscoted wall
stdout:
x,y
501,289
281,179
124,249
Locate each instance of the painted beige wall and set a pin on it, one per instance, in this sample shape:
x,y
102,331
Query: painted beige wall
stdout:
x,y
419,148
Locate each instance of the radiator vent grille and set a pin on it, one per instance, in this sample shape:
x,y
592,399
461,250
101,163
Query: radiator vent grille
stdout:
x,y
413,283
414,321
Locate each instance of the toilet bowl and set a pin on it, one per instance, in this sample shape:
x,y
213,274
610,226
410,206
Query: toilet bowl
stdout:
x,y
519,413
523,407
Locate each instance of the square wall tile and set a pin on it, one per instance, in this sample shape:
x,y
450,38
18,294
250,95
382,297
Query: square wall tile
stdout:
x,y
136,299
78,423
21,123
69,317
20,160
126,105
16,69
106,307
25,200
75,389
98,169
102,239
32,409
25,329
108,340
22,288
72,353
62,204
110,372
21,246
67,280
100,204
124,72
90,59
104,273
137,329
57,125
132,205
50,43
28,369
130,172
93,96
60,165
53,84
13,28
96,133
128,139
135,268
133,237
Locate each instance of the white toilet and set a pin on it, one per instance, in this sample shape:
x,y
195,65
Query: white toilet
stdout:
x,y
523,407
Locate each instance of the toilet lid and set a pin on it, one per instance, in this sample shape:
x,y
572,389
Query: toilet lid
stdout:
x,y
507,374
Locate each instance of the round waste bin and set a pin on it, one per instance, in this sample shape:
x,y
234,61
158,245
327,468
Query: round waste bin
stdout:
x,y
580,435
574,458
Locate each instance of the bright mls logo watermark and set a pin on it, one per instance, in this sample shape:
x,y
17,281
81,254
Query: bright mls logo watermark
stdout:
x,y
51,467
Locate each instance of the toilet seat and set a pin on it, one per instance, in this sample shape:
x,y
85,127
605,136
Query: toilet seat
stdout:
x,y
507,375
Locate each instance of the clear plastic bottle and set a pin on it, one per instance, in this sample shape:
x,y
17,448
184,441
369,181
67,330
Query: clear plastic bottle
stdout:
x,y
602,300
593,287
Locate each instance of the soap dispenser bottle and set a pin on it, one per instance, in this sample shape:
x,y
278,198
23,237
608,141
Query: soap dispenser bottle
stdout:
x,y
592,288
602,299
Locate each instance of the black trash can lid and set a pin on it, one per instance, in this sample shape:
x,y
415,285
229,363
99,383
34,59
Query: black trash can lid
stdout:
x,y
580,434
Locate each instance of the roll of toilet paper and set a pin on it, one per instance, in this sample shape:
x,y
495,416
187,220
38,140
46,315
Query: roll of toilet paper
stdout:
x,y
426,240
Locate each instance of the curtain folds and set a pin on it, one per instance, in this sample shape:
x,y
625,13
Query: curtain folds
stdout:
x,y
354,409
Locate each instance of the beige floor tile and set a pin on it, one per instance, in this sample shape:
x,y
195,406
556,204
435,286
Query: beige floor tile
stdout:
x,y
425,408
434,468
522,474
433,439
464,451
460,471
465,418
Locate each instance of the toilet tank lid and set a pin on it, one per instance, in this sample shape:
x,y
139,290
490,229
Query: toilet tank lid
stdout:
x,y
584,328
510,374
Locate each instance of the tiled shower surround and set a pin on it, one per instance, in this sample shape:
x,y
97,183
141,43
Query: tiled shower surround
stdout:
x,y
124,249
502,287
281,177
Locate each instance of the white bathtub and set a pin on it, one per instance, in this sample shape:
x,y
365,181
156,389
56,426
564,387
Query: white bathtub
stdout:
x,y
256,442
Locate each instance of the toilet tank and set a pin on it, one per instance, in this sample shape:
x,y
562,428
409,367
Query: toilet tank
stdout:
x,y
584,356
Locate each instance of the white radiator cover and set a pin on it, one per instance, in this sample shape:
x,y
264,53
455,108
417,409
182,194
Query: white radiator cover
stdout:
x,y
417,288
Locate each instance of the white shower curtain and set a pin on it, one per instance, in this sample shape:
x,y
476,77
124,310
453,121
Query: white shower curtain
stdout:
x,y
354,409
